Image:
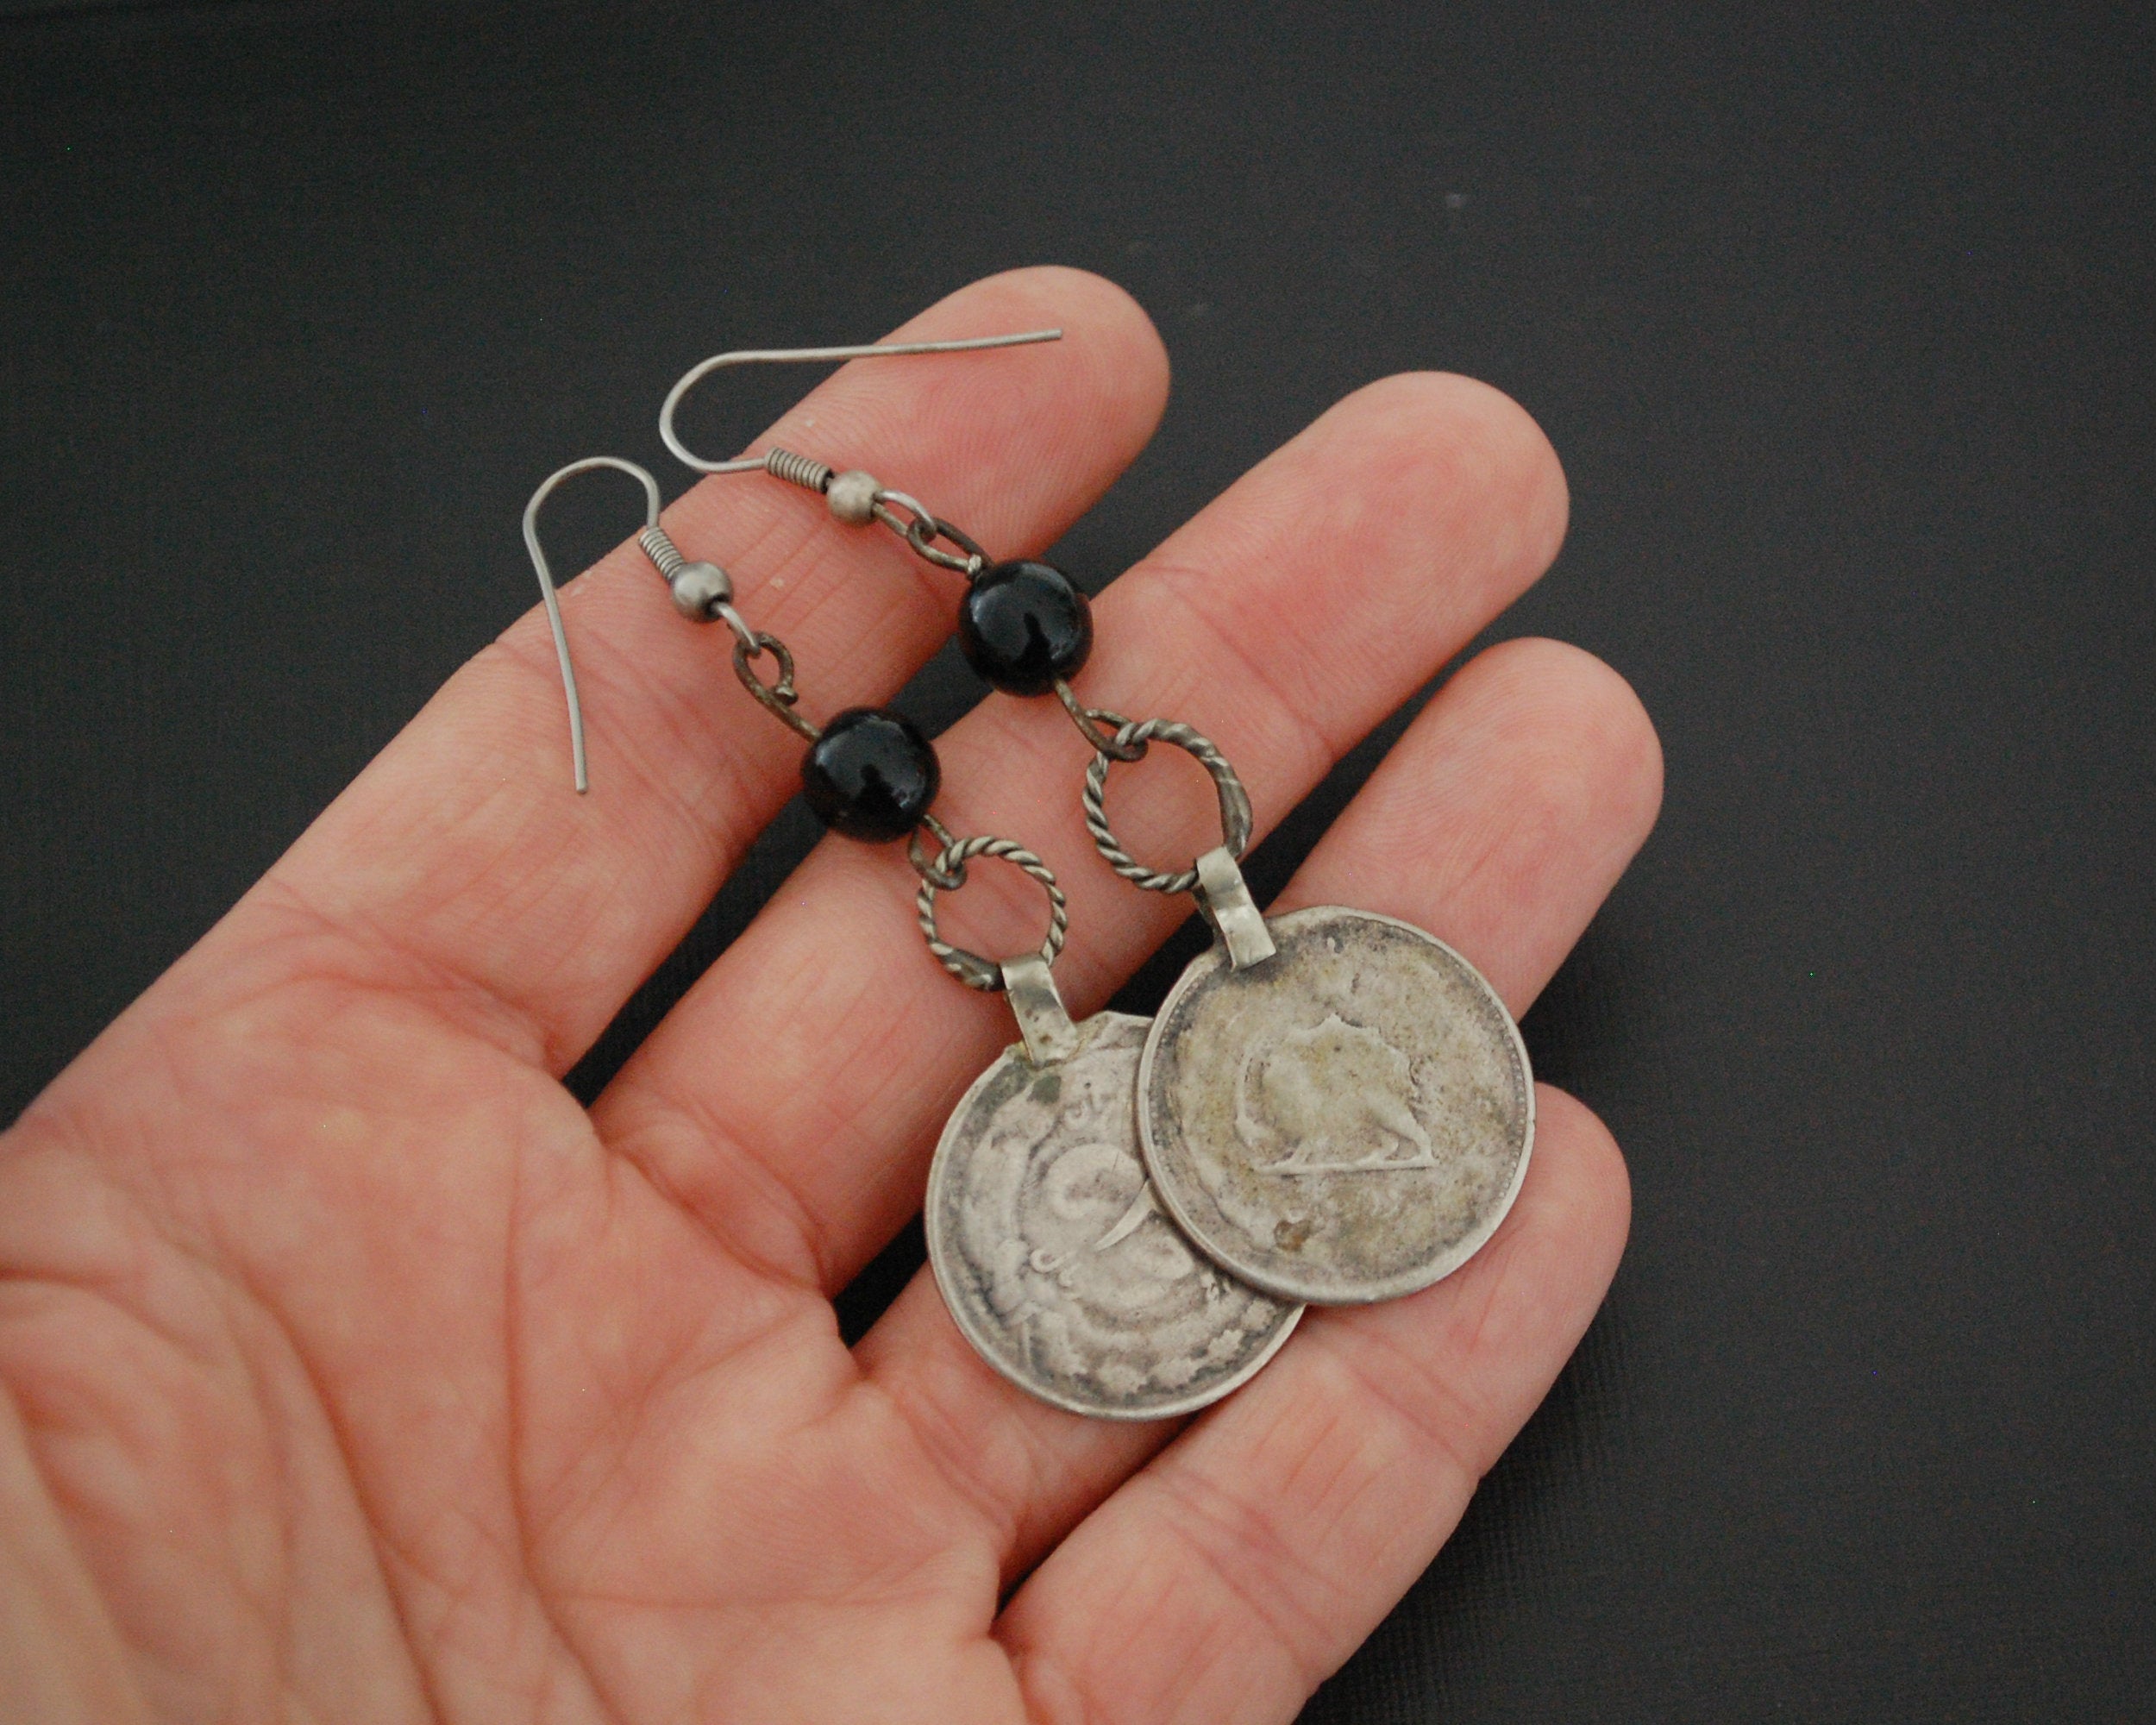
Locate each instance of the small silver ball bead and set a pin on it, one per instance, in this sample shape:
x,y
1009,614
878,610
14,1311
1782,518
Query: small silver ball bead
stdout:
x,y
700,589
852,497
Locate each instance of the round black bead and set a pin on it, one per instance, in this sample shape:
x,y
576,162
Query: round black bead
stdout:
x,y
871,775
1022,625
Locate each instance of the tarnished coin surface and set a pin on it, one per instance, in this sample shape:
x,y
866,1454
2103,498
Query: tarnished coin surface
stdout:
x,y
1056,1262
1347,1120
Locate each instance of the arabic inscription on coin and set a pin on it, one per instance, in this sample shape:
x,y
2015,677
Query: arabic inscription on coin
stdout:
x,y
1055,1259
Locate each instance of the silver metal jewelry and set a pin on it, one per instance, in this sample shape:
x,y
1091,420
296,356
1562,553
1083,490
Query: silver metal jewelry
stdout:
x,y
1333,1104
1052,1252
1046,1237
703,591
700,590
852,496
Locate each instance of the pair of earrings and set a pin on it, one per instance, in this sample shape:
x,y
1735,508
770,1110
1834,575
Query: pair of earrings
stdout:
x,y
1126,1216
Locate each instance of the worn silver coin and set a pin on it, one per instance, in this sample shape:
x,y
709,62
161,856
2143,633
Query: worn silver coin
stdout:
x,y
1344,1121
1054,1259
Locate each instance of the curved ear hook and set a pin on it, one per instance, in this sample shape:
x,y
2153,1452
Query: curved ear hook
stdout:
x,y
757,357
546,582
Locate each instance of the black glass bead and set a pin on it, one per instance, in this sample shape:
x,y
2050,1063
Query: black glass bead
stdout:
x,y
871,775
1022,625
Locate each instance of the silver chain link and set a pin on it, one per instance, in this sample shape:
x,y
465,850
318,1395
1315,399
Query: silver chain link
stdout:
x,y
1089,721
927,867
776,698
1236,819
970,968
921,529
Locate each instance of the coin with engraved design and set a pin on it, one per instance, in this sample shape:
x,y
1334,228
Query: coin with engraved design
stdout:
x,y
1346,1120
1055,1257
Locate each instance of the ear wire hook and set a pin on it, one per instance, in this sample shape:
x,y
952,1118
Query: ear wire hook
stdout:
x,y
703,591
757,357
546,582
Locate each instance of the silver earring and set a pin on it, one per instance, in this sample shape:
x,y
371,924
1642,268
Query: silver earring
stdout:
x,y
1333,1105
1053,1257
700,590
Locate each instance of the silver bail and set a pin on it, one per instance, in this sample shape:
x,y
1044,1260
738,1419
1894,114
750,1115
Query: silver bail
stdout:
x,y
1038,1007
1224,897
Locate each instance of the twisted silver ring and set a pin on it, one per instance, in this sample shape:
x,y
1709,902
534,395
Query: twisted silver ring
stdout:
x,y
1235,802
970,968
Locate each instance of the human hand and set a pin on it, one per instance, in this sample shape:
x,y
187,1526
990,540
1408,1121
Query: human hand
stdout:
x,y
352,1370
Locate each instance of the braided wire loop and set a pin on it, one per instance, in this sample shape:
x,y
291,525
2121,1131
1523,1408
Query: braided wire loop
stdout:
x,y
970,968
1235,801
778,697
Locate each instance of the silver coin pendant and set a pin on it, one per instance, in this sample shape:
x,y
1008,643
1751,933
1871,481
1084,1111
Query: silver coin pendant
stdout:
x,y
1055,1257
1346,1120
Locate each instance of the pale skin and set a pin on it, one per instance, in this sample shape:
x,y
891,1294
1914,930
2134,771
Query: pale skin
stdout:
x,y
350,1371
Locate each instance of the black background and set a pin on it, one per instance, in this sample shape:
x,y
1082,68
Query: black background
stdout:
x,y
1842,323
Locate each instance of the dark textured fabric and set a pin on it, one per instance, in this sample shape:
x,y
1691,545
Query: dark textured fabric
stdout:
x,y
1841,319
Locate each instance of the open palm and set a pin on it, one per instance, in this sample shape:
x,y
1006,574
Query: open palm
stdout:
x,y
352,1370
